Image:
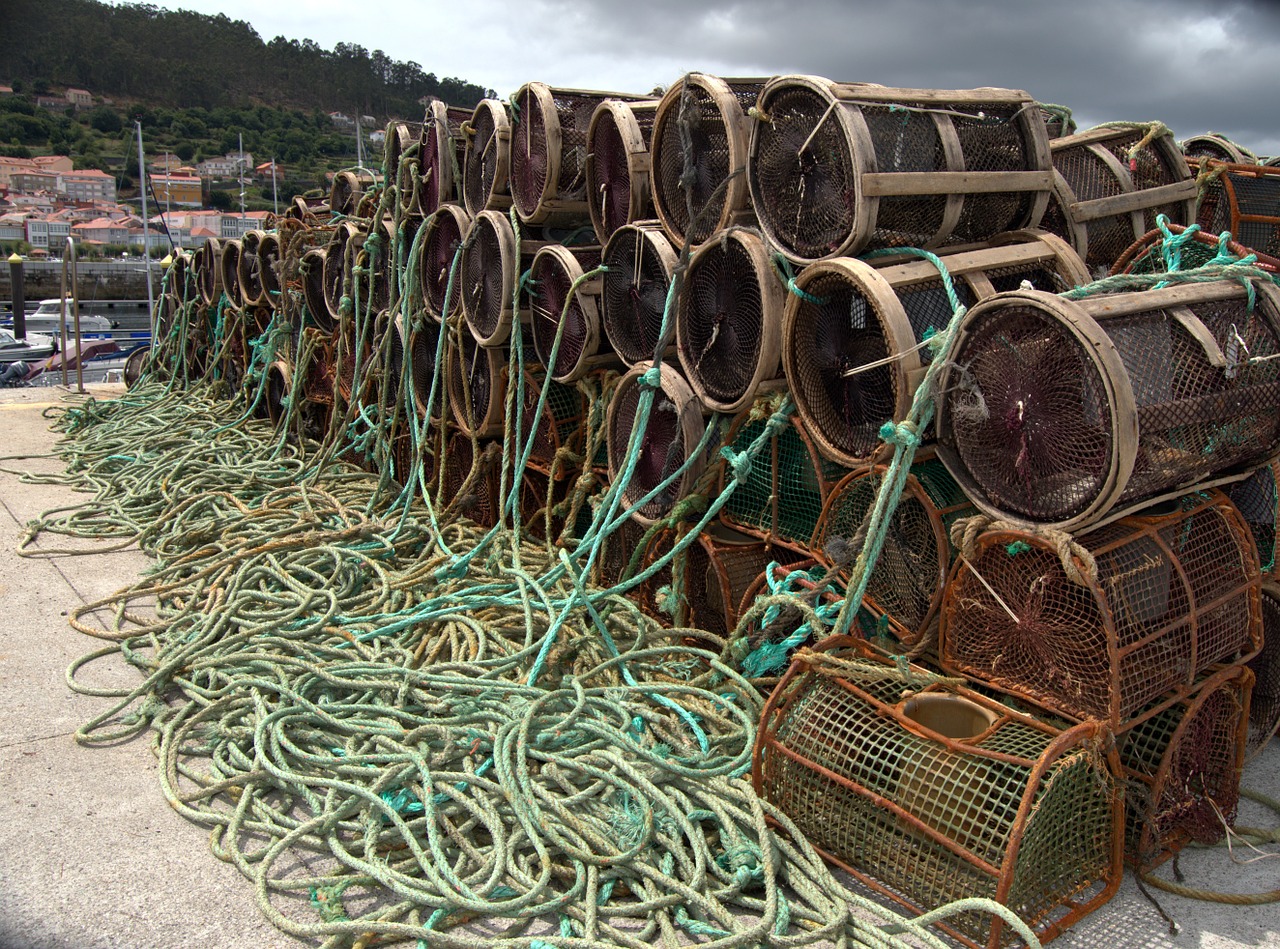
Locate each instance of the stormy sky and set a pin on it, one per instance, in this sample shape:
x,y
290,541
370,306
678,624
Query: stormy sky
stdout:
x,y
1194,65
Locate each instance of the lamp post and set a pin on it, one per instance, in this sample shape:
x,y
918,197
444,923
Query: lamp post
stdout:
x,y
19,301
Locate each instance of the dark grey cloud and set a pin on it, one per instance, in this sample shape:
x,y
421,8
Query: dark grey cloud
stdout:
x,y
1196,66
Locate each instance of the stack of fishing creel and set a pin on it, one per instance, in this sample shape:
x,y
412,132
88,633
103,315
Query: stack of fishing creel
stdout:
x,y
1110,182
726,301
1243,199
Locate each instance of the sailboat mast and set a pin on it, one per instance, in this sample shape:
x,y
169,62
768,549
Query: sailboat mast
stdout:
x,y
146,231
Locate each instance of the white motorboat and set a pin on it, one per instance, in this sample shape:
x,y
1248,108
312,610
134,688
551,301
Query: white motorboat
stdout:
x,y
45,321
36,346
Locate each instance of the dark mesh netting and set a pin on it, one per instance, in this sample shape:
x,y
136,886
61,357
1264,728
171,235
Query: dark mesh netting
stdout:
x,y
1244,200
802,174
1028,412
1258,501
529,158
468,483
444,233
1174,594
616,552
634,294
423,344
230,265
442,156
697,134
475,389
1182,767
929,309
336,254
664,444
781,498
209,270
830,342
1194,413
552,277
390,369
1264,706
1147,254
614,175
1216,147
485,274
718,569
311,268
906,141
959,771
907,582
723,322
1099,235
345,193
559,427
486,159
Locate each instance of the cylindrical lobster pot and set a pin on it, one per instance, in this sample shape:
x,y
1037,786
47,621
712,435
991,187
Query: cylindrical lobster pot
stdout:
x,y
478,388
1186,249
836,169
549,152
716,572
229,269
311,268
1182,769
554,272
1264,708
853,331
618,165
1057,120
640,262
279,384
469,484
208,264
1245,200
910,573
258,268
492,262
487,159
781,498
320,385
698,151
442,156
729,321
939,793
1219,148
445,230
343,243
424,345
400,160
557,432
347,190
1109,183
1169,593
1258,499
675,427
1065,413
616,552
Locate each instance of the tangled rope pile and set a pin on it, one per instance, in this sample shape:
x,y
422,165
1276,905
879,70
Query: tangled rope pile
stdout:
x,y
359,732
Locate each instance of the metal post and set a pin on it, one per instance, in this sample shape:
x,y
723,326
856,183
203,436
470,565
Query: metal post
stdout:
x,y
19,299
146,233
75,304
274,200
62,318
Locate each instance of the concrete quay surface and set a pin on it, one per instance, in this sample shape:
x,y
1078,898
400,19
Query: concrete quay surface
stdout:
x,y
92,856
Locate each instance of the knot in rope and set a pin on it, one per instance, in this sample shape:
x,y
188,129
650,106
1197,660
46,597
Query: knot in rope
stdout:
x,y
651,378
346,305
1078,563
739,463
786,274
902,434
760,115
